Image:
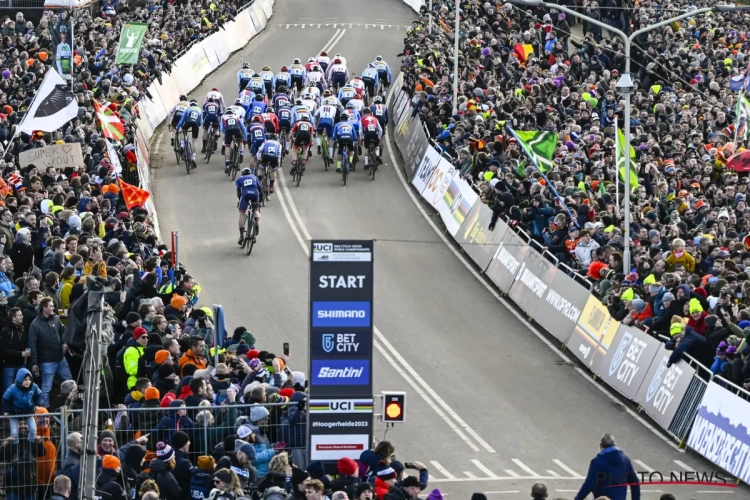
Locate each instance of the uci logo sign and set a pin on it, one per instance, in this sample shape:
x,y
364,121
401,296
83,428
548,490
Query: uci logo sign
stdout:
x,y
323,247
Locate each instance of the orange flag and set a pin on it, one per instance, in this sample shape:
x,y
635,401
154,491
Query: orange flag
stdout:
x,y
134,196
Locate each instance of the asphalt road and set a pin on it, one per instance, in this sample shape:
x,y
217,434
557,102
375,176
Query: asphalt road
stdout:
x,y
490,407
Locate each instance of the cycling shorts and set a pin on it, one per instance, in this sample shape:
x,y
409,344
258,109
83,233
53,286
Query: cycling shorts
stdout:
x,y
381,121
232,133
348,142
302,139
270,161
243,83
327,125
211,120
338,79
249,199
176,119
194,126
256,146
345,101
383,76
371,138
297,82
270,127
268,85
285,125
369,85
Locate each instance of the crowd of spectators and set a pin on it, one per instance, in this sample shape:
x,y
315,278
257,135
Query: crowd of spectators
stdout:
x,y
690,214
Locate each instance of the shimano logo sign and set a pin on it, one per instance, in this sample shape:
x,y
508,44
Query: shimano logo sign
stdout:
x,y
341,372
341,314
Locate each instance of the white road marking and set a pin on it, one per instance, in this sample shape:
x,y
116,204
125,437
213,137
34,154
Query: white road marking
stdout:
x,y
287,26
331,39
722,492
644,466
553,473
383,27
515,313
303,26
442,470
501,492
511,473
567,469
334,40
483,468
684,465
470,475
524,467
158,141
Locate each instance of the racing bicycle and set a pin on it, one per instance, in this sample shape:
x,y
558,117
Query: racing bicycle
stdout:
x,y
299,166
263,173
324,150
234,159
344,164
176,145
251,228
187,152
211,143
374,160
282,141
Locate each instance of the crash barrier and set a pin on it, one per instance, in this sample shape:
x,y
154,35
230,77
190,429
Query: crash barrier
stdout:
x,y
208,426
630,361
188,71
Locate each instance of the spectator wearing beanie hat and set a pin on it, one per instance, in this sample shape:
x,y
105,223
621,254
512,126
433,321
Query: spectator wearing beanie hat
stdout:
x,y
133,352
109,481
161,469
240,460
348,477
181,471
407,490
106,444
385,478
162,356
165,379
201,480
176,309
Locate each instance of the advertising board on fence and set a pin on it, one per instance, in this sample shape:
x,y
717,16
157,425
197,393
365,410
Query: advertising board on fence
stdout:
x,y
721,431
531,282
413,144
625,365
560,308
593,333
507,260
475,237
450,195
664,387
60,156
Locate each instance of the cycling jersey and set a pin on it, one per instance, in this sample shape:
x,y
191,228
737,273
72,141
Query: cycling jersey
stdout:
x,y
354,118
381,113
314,78
313,91
326,115
324,61
256,135
267,76
298,111
285,118
268,153
246,98
337,74
232,128
257,108
210,114
217,97
370,73
271,122
282,78
310,105
278,99
247,191
332,101
177,112
358,104
297,70
192,116
358,85
371,126
244,76
384,71
239,111
344,131
346,93
256,84
302,133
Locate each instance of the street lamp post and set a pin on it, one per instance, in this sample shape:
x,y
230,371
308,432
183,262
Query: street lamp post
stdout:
x,y
457,29
625,84
429,13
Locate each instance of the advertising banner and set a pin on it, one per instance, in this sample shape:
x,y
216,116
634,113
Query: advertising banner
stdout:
x,y
450,195
476,239
401,106
507,260
625,366
664,387
340,348
720,431
532,282
563,302
426,167
594,332
411,140
131,38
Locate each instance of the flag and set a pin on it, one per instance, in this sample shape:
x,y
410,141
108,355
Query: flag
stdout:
x,y
619,146
134,196
16,181
743,114
54,105
111,125
131,38
523,50
114,160
540,146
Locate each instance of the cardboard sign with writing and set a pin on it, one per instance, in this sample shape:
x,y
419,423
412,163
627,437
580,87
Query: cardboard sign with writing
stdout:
x,y
58,155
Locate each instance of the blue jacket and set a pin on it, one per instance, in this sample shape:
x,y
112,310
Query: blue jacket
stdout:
x,y
201,484
609,468
19,400
263,456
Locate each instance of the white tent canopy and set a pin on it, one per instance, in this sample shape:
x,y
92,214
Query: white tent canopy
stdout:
x,y
66,4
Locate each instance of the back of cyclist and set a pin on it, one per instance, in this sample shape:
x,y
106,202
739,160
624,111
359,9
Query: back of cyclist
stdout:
x,y
269,155
233,128
248,194
192,119
380,111
384,72
372,133
211,113
257,85
244,75
280,97
337,74
256,135
258,107
316,78
357,84
302,135
346,93
239,109
370,77
284,115
270,121
267,75
298,73
323,60
176,114
344,136
326,116
217,97
282,78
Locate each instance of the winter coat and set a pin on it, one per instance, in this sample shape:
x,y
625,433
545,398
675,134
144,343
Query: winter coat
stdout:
x,y
692,343
583,252
21,476
109,485
610,467
20,400
45,339
168,486
200,484
14,341
67,287
181,471
263,456
46,465
246,474
381,488
130,361
397,493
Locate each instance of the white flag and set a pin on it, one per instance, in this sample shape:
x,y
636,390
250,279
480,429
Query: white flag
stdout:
x,y
54,105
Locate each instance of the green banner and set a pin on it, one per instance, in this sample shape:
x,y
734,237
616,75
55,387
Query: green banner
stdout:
x,y
131,39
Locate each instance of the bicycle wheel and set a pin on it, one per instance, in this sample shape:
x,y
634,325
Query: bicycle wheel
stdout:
x,y
266,193
250,232
210,144
176,148
188,155
373,162
345,166
324,150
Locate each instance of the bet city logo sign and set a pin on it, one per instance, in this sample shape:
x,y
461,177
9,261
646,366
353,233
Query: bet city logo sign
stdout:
x,y
340,342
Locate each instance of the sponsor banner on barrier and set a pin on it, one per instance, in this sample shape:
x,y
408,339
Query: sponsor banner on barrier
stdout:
x,y
664,387
721,431
333,447
532,282
563,302
593,333
425,168
626,364
413,144
401,106
450,195
504,266
476,239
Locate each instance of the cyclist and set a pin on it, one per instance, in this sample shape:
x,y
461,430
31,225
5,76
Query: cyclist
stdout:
x,y
309,64
308,101
281,97
298,74
302,136
248,194
192,118
346,93
232,128
372,133
283,78
258,107
257,85
256,135
326,116
356,103
238,109
299,110
268,155
246,99
340,57
370,77
314,93
270,121
384,72
284,115
345,136
380,111
337,73
244,75
267,75
316,78
331,100
323,60
353,114
215,94
176,114
211,114
357,84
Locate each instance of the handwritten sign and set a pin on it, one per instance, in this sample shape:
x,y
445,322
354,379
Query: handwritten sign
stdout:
x,y
58,155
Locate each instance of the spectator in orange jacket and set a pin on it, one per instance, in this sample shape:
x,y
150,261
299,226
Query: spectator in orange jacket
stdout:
x,y
640,311
46,465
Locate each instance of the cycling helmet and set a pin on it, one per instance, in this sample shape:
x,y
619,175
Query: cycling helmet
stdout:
x,y
266,68
350,105
298,102
304,118
212,99
310,59
245,65
246,171
371,65
357,77
378,58
356,96
344,115
183,98
229,111
214,89
337,55
256,75
323,53
284,69
269,109
296,61
307,96
257,119
316,68
326,93
193,102
238,101
377,100
258,97
337,61
271,137
366,111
